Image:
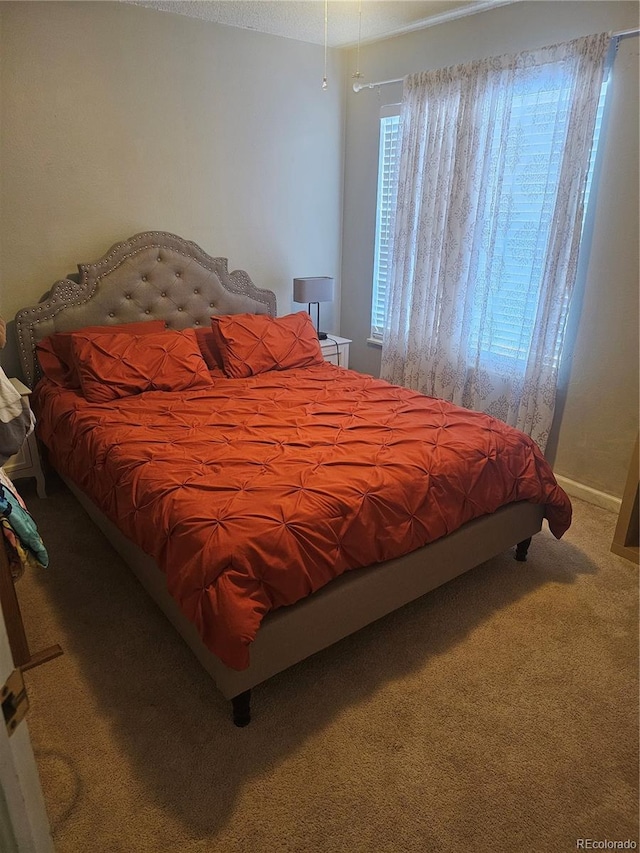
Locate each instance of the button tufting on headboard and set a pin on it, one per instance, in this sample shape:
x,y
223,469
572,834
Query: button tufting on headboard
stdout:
x,y
127,284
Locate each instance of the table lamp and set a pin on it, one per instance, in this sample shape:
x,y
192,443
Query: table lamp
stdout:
x,y
314,290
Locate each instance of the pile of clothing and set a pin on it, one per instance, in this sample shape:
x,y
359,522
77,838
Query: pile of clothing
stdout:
x,y
22,540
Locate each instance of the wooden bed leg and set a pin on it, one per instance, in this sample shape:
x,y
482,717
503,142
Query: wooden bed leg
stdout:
x,y
521,550
242,709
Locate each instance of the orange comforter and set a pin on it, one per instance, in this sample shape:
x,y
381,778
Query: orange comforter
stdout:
x,y
254,493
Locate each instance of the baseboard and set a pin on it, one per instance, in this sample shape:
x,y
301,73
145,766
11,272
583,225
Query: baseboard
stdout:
x,y
590,495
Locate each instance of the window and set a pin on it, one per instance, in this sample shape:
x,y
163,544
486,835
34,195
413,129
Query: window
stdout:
x,y
514,263
387,188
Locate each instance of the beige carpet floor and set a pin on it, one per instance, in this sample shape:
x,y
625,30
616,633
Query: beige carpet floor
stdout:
x,y
498,713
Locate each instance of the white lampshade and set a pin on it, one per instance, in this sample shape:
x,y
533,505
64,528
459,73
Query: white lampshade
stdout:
x,y
318,289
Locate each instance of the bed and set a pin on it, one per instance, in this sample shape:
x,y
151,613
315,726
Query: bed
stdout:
x,y
270,504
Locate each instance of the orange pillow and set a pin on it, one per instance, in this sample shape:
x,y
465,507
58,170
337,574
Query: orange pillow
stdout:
x,y
50,364
112,365
210,350
55,355
256,343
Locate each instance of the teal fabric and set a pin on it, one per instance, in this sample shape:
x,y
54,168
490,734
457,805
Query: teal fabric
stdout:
x,y
22,525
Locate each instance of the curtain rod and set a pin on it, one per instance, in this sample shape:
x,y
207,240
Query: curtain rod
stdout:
x,y
632,32
358,87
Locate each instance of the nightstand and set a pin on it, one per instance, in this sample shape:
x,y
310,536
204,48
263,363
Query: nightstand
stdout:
x,y
26,462
336,350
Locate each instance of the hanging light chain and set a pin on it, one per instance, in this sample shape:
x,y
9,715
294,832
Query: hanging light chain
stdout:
x,y
357,75
326,32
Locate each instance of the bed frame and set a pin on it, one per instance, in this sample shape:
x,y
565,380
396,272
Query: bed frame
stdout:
x,y
156,275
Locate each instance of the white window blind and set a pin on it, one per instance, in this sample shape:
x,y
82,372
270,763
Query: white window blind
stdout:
x,y
387,190
513,257
513,263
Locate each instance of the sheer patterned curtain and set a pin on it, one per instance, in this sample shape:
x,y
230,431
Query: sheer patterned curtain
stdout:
x,y
493,165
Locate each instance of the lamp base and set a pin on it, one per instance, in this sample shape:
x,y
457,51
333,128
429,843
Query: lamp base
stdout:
x,y
322,336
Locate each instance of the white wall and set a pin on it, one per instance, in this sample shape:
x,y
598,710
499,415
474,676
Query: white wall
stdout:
x,y
597,413
117,119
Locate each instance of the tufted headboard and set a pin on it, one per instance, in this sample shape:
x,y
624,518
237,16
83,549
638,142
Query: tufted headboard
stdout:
x,y
150,276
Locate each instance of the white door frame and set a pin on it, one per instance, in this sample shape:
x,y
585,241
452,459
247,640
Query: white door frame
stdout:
x,y
24,825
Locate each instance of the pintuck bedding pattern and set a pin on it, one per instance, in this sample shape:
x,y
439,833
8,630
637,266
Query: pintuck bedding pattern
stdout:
x,y
253,492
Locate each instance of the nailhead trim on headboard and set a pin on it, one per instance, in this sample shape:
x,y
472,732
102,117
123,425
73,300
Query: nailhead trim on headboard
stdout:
x,y
114,289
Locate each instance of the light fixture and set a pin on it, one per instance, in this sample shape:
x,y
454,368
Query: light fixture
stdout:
x,y
314,290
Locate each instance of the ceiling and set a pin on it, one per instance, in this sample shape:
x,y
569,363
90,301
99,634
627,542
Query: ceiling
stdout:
x,y
348,21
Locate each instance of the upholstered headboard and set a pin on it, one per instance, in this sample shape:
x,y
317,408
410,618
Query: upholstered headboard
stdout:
x,y
151,276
